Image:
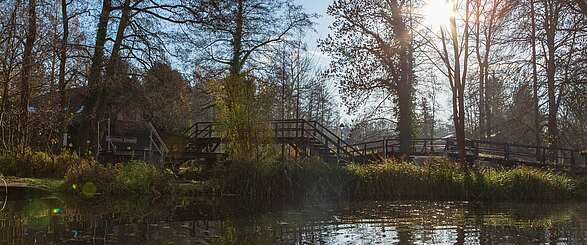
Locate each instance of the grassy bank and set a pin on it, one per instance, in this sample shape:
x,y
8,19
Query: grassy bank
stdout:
x,y
128,178
51,185
438,180
72,174
296,181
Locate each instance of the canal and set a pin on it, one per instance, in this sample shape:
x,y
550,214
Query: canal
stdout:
x,y
212,221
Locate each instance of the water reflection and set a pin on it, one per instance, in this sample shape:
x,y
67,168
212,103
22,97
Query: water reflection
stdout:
x,y
205,221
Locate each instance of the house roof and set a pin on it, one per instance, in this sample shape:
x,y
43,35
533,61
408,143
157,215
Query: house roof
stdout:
x,y
75,99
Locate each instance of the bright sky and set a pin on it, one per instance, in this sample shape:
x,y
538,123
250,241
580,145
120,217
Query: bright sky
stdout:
x,y
321,31
317,7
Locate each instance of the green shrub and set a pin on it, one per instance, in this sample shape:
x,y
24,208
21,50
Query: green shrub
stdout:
x,y
37,164
89,178
141,178
134,177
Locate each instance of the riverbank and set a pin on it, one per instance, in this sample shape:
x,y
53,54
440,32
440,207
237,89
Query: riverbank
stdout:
x,y
67,173
294,181
391,180
50,185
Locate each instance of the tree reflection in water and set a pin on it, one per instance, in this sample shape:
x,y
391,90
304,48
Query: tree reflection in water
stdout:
x,y
55,221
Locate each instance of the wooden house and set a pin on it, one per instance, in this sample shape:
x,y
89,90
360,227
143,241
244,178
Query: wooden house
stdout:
x,y
124,136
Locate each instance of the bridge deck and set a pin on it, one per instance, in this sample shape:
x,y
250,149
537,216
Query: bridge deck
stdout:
x,y
205,139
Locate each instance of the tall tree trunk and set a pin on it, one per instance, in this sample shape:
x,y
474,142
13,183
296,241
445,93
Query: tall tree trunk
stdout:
x,y
405,82
90,120
482,132
26,71
122,25
537,130
112,74
551,22
460,78
237,36
62,63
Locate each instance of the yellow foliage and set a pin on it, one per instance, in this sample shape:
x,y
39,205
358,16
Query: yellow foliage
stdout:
x,y
244,125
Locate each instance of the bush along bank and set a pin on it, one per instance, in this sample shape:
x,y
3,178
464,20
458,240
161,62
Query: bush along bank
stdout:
x,y
37,164
67,172
391,180
130,178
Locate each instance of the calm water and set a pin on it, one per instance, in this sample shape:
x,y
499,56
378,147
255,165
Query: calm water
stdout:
x,y
58,221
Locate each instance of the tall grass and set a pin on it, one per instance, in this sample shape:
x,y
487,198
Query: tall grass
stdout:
x,y
128,178
288,180
141,177
86,176
436,180
37,164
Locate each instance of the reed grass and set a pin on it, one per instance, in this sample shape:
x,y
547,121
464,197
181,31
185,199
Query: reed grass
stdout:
x,y
392,180
37,164
129,178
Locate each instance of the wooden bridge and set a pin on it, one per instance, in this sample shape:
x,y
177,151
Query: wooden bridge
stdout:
x,y
310,138
306,138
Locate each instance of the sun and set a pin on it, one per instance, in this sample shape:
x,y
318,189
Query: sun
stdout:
x,y
436,13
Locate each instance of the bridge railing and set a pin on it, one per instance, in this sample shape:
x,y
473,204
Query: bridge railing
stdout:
x,y
335,142
527,153
388,147
474,148
301,130
295,130
204,129
306,130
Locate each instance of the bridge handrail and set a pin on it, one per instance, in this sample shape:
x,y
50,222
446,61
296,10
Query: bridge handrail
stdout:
x,y
503,149
340,144
335,143
159,143
328,137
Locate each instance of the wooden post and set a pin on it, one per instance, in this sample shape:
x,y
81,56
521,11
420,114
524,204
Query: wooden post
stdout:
x,y
385,148
543,155
506,152
537,152
297,128
338,151
365,149
303,123
150,144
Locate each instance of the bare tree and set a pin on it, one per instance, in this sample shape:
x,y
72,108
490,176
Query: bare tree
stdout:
x,y
238,30
457,67
31,35
489,16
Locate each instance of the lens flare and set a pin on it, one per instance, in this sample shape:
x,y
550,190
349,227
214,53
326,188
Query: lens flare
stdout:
x,y
437,13
89,189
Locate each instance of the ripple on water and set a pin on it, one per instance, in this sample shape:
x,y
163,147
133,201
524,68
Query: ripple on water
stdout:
x,y
409,222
